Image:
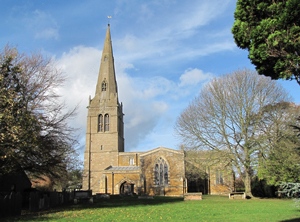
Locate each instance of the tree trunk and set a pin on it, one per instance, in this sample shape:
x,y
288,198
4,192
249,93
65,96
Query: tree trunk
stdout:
x,y
247,182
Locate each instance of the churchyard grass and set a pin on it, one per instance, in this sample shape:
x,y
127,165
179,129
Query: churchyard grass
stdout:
x,y
211,208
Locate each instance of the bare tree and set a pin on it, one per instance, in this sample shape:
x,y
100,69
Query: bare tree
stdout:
x,y
34,133
225,117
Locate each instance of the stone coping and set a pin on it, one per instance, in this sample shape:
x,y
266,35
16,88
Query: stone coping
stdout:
x,y
237,195
193,196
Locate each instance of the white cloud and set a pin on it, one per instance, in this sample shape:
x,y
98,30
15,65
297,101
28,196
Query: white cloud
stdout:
x,y
155,86
80,65
43,25
174,31
141,108
192,77
47,33
201,13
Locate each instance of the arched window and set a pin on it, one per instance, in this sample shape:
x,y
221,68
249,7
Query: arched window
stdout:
x,y
106,122
100,123
161,172
103,87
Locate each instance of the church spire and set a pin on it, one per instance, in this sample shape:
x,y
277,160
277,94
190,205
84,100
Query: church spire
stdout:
x,y
107,84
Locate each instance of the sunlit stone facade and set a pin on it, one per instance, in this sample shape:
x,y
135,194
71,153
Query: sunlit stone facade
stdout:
x,y
107,168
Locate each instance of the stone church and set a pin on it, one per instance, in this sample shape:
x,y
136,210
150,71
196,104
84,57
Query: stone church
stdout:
x,y
107,167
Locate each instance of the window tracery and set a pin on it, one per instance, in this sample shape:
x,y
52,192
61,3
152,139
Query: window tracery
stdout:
x,y
161,172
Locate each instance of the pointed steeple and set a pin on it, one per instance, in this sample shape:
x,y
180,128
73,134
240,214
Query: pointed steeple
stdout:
x,y
107,84
105,126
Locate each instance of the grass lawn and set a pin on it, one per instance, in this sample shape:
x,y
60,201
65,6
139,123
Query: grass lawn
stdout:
x,y
211,208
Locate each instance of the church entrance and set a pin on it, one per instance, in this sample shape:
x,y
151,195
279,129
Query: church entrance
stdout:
x,y
127,188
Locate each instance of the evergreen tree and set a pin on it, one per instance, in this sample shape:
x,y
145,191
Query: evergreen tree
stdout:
x,y
270,31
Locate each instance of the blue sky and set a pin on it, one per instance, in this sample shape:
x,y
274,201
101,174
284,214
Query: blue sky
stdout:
x,y
164,50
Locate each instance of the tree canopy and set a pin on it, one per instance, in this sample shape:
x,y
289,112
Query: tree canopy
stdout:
x,y
270,31
34,133
227,115
280,145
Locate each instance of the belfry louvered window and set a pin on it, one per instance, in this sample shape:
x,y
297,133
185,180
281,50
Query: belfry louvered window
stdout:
x,y
103,86
106,122
161,172
100,123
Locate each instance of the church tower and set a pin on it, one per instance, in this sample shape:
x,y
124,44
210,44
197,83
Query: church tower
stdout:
x,y
105,127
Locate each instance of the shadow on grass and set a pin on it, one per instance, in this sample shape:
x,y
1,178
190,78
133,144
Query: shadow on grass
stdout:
x,y
113,202
291,220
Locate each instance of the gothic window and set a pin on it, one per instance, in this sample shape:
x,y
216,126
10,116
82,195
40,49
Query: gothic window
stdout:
x,y
100,123
161,172
103,87
219,177
106,122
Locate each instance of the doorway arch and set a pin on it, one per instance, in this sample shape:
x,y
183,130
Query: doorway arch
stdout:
x,y
127,188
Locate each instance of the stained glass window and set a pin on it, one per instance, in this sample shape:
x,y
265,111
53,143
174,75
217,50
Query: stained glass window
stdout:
x,y
161,172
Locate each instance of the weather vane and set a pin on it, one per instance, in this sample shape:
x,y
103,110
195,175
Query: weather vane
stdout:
x,y
108,17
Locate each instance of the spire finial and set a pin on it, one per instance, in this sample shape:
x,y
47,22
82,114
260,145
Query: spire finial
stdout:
x,y
108,17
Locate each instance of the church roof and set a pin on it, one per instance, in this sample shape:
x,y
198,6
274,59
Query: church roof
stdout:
x,y
162,149
123,168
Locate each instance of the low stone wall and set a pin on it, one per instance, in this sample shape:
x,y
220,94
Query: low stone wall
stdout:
x,y
193,196
237,195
